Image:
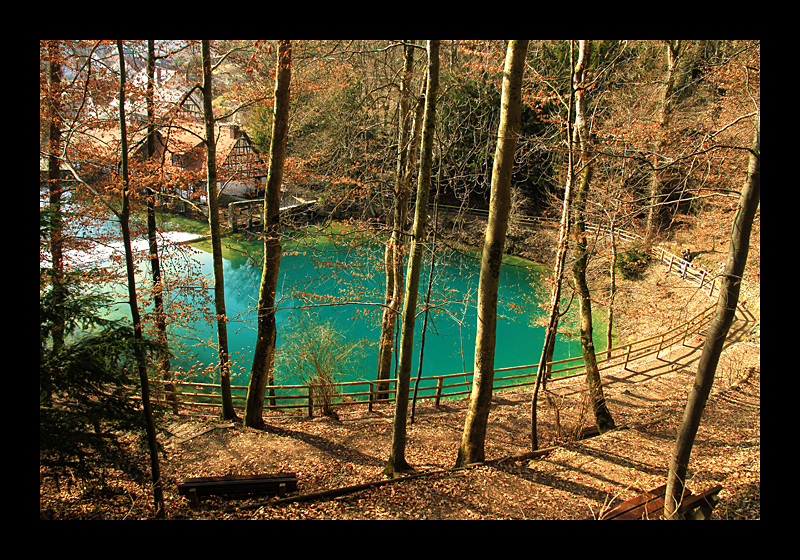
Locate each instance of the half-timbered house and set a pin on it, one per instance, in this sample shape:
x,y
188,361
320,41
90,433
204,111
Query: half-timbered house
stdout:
x,y
241,171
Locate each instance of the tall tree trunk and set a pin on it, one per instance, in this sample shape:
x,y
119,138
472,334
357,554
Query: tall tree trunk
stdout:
x,y
558,269
665,112
393,254
141,355
155,263
718,331
228,412
397,460
474,436
264,354
601,413
54,193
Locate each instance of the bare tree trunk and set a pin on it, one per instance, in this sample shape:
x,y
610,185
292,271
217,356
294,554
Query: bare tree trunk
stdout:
x,y
612,273
427,301
393,254
141,355
264,354
718,331
601,413
665,112
397,461
474,436
558,270
155,263
54,192
228,412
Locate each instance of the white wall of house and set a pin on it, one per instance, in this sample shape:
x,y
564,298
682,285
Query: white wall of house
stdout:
x,y
235,188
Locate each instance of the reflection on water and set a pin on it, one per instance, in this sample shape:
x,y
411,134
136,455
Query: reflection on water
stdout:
x,y
344,285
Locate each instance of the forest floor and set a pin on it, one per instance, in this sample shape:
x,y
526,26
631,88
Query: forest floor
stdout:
x,y
576,480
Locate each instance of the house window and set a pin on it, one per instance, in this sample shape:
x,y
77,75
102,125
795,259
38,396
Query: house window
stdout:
x,y
179,160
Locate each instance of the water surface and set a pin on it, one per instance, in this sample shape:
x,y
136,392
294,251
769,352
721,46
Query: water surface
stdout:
x,y
342,285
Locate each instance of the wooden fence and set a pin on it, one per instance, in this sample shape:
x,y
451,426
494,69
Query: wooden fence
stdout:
x,y
691,273
301,398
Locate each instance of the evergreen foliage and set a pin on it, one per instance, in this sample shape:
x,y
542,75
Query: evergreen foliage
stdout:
x,y
87,387
633,261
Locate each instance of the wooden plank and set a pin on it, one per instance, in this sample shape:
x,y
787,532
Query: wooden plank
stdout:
x,y
239,478
650,505
653,509
635,503
588,432
238,484
700,506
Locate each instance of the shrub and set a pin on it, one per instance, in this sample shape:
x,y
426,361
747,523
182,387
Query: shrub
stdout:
x,y
633,262
316,353
87,387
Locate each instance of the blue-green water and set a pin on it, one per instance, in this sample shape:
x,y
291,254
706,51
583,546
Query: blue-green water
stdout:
x,y
343,284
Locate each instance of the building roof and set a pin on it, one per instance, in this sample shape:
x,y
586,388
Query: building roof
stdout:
x,y
187,139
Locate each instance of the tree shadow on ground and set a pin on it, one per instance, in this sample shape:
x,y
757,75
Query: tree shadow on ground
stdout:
x,y
335,449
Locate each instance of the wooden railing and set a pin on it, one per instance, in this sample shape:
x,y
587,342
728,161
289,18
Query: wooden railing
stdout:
x,y
247,213
692,273
301,398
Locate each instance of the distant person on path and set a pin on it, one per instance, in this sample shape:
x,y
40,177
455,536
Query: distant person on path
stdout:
x,y
686,259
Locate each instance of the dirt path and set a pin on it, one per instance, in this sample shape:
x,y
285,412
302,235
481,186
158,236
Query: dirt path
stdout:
x,y
575,481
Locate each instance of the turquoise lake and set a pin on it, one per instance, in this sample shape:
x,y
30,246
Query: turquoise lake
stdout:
x,y
315,277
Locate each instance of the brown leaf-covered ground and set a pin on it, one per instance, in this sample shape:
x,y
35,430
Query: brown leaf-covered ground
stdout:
x,y
578,479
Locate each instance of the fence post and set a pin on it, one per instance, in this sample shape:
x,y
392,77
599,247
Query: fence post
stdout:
x,y
232,218
310,402
438,391
371,392
627,355
686,331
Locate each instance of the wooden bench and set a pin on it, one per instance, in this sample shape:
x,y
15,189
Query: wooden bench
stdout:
x,y
238,485
650,505
588,432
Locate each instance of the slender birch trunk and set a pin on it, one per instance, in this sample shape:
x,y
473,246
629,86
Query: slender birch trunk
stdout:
x,y
665,112
393,255
54,193
612,273
155,263
558,269
141,354
228,412
602,415
397,460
